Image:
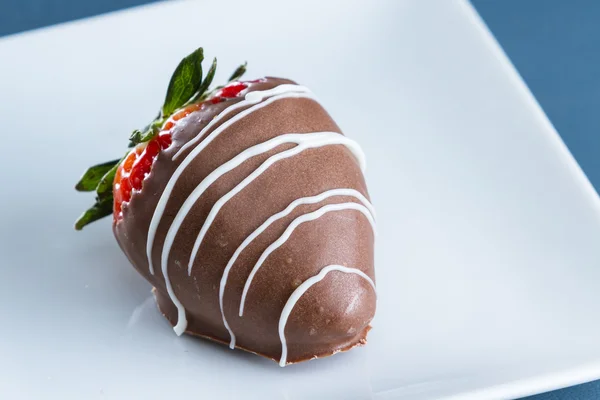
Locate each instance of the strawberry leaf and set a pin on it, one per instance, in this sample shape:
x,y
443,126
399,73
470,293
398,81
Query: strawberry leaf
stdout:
x,y
100,209
209,77
206,83
104,188
135,137
185,81
90,179
237,74
140,137
185,87
104,196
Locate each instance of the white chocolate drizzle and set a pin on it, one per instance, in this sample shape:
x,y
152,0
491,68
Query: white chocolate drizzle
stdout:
x,y
250,98
290,229
254,102
281,92
300,290
303,140
275,217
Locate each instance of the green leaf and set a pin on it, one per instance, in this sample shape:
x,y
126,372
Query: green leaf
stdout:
x,y
185,81
102,208
135,137
104,198
90,179
206,83
156,125
148,135
138,136
105,185
186,86
237,74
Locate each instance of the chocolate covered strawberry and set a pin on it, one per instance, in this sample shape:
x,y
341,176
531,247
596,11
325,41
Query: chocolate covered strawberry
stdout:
x,y
115,181
247,210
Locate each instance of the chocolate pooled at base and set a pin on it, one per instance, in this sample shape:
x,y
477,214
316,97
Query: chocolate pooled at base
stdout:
x,y
333,311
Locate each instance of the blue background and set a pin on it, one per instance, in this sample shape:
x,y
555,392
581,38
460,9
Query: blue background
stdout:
x,y
555,45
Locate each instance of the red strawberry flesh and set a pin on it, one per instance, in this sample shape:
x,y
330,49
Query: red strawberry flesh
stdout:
x,y
137,164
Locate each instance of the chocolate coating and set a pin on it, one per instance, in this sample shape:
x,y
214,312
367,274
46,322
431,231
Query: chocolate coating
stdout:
x,y
334,314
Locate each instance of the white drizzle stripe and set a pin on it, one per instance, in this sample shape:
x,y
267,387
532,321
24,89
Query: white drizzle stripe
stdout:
x,y
164,198
304,141
290,229
275,217
180,327
297,294
251,98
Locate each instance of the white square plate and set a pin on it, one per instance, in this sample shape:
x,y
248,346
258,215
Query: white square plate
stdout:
x,y
488,251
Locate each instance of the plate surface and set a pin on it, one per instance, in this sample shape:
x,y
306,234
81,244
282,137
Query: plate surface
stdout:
x,y
488,232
